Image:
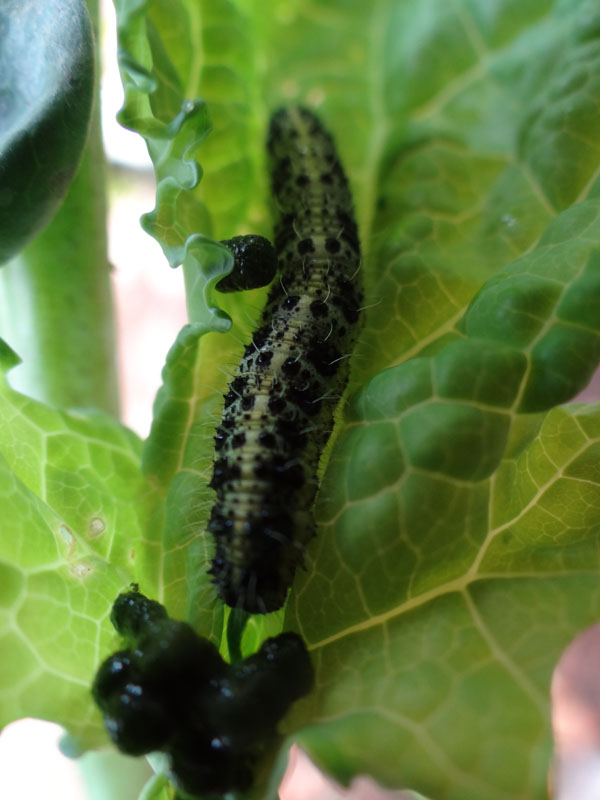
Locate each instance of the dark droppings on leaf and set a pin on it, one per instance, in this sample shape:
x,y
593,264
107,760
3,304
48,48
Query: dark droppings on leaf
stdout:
x,y
254,265
170,690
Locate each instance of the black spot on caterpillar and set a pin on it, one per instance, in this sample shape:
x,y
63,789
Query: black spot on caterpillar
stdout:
x,y
170,690
254,263
279,409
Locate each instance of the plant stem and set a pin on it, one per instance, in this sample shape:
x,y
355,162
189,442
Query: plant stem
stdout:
x,y
56,306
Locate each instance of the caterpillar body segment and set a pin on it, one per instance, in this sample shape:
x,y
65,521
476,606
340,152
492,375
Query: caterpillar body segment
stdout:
x,y
279,409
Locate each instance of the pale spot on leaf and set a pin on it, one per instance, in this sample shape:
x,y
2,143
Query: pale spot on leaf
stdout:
x,y
96,527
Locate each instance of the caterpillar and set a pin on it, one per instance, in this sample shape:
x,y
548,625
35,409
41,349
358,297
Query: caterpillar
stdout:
x,y
278,412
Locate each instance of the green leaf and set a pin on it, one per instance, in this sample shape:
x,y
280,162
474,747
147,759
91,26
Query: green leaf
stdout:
x,y
177,458
84,466
72,520
456,549
465,187
55,597
449,616
46,94
452,619
166,80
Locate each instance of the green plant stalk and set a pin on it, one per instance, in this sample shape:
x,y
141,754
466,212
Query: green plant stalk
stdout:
x,y
56,308
108,775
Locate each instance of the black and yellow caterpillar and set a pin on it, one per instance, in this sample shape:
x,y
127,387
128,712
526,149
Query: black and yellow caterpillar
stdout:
x,y
279,409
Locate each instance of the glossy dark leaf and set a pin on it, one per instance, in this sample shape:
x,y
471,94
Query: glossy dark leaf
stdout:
x,y
46,95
